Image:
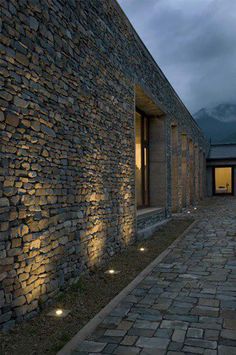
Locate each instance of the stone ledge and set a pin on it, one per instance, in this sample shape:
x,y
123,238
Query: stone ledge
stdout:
x,y
148,219
149,231
145,211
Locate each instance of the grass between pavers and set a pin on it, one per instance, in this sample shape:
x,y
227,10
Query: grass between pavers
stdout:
x,y
47,335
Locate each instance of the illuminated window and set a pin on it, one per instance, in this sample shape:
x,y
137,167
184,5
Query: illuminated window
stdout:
x,y
223,180
142,168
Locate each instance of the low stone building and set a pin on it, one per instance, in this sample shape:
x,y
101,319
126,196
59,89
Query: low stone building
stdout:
x,y
221,170
96,146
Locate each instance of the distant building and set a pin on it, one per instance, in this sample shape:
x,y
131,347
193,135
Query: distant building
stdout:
x,y
221,169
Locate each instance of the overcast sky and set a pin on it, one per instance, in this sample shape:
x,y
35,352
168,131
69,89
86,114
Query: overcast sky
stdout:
x,y
194,43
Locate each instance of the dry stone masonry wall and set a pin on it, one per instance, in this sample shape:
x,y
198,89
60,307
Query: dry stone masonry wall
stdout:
x,y
67,172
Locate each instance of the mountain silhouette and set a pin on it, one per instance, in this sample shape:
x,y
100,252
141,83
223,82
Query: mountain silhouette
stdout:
x,y
218,123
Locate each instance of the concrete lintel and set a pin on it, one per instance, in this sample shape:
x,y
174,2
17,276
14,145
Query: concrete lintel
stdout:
x,y
145,102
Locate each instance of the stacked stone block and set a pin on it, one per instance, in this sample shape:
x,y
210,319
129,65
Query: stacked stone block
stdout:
x,y
67,172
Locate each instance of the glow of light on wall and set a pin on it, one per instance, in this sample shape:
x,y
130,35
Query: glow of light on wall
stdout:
x,y
125,218
94,234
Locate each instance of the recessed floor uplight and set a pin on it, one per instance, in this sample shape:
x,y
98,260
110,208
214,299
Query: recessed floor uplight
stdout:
x,y
195,208
112,272
188,212
142,249
59,313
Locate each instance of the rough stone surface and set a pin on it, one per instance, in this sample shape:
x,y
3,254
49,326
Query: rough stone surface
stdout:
x,y
67,162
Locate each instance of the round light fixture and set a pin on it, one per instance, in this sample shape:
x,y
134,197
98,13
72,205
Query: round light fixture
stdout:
x,y
112,272
59,312
142,249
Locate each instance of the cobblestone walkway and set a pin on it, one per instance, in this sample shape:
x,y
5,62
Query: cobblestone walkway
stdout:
x,y
187,305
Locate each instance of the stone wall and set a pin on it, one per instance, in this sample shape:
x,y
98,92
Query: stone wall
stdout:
x,y
67,176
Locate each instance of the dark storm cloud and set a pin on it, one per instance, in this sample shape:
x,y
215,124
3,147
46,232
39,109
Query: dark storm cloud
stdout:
x,y
194,43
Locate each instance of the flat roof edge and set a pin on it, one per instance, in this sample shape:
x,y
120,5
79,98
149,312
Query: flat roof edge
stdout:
x,y
121,12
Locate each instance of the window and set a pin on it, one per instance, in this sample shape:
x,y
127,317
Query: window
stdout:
x,y
142,160
223,180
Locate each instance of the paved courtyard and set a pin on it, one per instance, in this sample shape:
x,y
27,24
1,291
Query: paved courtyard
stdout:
x,y
187,305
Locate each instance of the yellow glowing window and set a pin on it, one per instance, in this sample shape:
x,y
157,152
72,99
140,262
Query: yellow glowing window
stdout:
x,y
141,153
223,180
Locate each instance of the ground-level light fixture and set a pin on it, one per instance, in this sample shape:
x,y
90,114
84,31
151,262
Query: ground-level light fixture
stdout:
x,y
188,212
195,208
142,249
59,313
112,272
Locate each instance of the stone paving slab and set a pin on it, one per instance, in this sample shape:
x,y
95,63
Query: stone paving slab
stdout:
x,y
187,304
